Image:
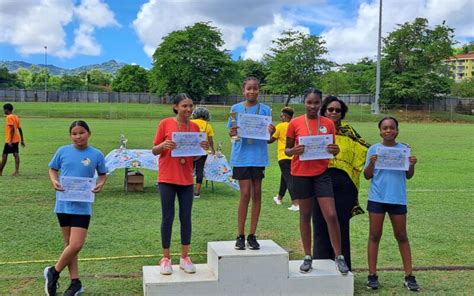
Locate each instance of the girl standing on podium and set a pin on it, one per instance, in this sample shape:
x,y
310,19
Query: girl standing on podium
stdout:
x,y
311,182
175,178
249,158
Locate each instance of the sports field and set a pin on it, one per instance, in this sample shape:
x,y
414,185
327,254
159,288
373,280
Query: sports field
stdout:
x,y
124,233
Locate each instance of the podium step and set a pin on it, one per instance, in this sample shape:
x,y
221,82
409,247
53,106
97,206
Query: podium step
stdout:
x,y
249,272
203,282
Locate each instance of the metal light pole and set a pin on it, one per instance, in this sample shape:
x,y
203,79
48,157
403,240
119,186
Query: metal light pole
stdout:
x,y
377,79
46,68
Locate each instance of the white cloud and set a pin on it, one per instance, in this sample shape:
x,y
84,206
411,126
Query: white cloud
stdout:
x,y
156,19
30,25
351,42
262,38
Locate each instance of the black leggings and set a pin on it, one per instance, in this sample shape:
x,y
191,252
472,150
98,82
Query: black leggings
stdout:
x,y
345,197
168,193
286,180
199,166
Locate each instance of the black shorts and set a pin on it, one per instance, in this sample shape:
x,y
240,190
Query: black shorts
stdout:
x,y
246,173
71,220
317,186
7,149
382,208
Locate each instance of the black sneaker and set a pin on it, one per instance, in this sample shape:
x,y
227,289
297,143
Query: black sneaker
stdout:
x,y
74,288
51,284
307,264
240,242
373,282
411,284
341,265
252,242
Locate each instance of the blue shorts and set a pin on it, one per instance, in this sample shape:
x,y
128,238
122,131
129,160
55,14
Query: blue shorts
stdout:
x,y
382,208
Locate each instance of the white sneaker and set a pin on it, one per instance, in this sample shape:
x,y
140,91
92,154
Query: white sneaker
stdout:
x,y
187,265
197,195
277,200
294,208
165,266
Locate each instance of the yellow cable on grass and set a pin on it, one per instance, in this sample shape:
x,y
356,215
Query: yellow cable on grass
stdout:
x,y
94,259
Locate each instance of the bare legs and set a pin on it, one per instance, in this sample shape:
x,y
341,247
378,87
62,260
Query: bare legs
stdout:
x,y
250,189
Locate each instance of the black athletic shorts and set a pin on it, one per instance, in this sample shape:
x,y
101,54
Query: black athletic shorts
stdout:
x,y
71,220
382,208
246,173
7,149
316,186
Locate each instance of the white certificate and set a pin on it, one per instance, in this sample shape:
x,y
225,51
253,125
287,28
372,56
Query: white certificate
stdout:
x,y
315,147
188,144
253,126
76,189
391,158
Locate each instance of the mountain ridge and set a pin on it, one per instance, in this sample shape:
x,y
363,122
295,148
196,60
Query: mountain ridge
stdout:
x,y
111,67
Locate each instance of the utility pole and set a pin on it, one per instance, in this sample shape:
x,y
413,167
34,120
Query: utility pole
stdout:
x,y
46,68
377,78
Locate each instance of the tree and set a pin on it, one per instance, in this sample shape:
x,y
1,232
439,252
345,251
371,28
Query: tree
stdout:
x,y
71,82
295,63
8,80
190,61
465,88
334,83
361,76
131,78
412,68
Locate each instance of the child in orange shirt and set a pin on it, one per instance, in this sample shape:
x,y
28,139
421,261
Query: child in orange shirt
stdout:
x,y
13,137
175,178
310,179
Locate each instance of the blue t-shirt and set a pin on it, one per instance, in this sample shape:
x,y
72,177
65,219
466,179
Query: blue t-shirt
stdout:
x,y
73,162
387,186
244,154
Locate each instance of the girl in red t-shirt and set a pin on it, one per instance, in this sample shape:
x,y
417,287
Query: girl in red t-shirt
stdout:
x,y
175,177
310,179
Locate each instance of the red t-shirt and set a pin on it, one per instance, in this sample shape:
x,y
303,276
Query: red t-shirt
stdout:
x,y
171,169
297,128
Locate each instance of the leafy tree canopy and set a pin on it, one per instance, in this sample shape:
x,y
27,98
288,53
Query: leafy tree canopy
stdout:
x,y
412,68
191,61
295,62
131,78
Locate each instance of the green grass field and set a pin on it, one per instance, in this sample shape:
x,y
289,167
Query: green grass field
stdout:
x,y
124,233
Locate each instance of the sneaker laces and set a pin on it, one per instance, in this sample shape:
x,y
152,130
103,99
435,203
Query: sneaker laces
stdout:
x,y
187,260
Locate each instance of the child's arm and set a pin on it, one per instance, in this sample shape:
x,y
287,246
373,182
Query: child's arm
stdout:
x,y
369,170
411,169
291,149
100,183
166,144
53,176
21,136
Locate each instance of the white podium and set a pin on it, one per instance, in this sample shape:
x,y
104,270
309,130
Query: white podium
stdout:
x,y
249,272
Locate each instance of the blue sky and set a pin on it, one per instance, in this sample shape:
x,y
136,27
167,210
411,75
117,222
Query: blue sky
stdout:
x,y
80,32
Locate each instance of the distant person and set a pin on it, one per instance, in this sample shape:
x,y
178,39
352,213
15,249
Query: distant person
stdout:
x,y
249,157
201,117
311,181
345,169
284,162
13,137
175,178
76,160
387,194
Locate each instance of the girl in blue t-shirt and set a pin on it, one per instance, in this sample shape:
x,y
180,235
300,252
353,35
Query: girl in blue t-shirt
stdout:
x,y
249,157
76,160
387,194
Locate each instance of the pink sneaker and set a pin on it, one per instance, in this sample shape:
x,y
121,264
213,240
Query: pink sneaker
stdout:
x,y
165,266
187,265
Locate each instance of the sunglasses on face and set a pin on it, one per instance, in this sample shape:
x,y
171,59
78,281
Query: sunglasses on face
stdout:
x,y
331,109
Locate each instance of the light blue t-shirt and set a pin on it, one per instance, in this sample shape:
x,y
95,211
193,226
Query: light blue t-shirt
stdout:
x,y
387,186
244,154
73,162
